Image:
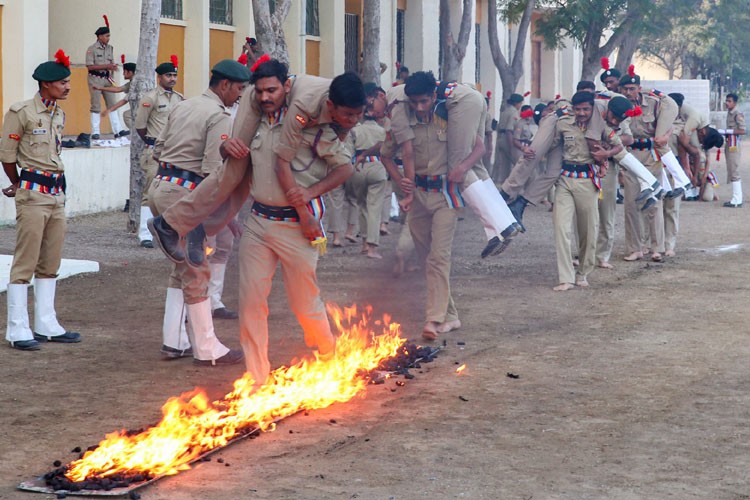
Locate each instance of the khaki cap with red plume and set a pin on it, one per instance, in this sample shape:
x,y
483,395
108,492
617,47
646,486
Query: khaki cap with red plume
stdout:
x,y
168,67
631,78
527,113
608,72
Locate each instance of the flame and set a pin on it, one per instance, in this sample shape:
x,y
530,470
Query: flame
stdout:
x,y
209,250
461,368
191,425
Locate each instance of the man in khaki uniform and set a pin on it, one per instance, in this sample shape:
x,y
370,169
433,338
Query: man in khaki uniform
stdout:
x,y
651,132
187,151
505,155
150,119
31,142
222,195
577,190
432,211
128,72
274,232
100,62
733,134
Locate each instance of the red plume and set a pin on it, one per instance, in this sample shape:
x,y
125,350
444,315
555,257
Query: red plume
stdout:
x,y
242,59
636,111
398,65
557,96
489,94
174,60
605,63
631,70
106,20
122,58
61,58
527,114
527,94
262,59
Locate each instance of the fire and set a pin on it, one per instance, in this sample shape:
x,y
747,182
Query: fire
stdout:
x,y
191,425
461,368
209,250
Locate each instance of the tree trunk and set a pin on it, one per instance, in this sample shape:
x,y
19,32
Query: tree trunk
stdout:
x,y
143,81
592,52
454,51
269,29
510,74
371,42
626,52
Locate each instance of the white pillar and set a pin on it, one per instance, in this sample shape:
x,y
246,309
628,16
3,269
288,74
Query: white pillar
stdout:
x,y
197,46
25,46
332,46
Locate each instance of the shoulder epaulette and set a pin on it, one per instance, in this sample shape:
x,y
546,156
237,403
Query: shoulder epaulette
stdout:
x,y
602,96
656,93
445,89
562,112
19,106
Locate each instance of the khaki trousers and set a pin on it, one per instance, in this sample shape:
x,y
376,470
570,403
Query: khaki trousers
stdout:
x,y
523,169
432,224
191,280
607,207
264,244
368,185
40,233
149,167
575,203
733,164
96,95
341,209
503,159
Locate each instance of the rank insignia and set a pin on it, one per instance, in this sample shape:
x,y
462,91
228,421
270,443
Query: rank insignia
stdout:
x,y
301,120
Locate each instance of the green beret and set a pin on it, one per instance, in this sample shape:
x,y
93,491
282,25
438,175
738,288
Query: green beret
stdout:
x,y
129,67
102,31
619,106
515,99
630,80
231,70
610,72
538,109
50,71
165,68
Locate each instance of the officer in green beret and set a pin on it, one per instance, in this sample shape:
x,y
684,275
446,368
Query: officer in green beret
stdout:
x,y
150,119
187,150
30,152
100,62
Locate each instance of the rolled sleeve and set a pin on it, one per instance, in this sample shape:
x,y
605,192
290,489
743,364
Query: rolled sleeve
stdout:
x,y
12,126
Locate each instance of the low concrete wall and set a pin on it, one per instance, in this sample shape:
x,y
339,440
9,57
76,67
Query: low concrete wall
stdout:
x,y
98,181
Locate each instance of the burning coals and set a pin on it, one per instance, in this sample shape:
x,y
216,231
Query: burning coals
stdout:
x,y
192,426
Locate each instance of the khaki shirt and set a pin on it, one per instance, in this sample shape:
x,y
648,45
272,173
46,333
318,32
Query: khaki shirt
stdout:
x,y
32,136
192,136
367,134
126,87
99,54
153,110
735,119
508,119
692,118
524,130
319,152
644,125
574,139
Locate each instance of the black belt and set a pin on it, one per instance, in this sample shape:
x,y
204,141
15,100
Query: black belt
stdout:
x,y
53,181
150,140
270,212
169,170
100,74
642,144
429,182
577,168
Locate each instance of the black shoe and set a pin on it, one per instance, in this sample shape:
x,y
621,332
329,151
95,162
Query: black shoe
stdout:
x,y
505,195
675,193
65,338
172,353
167,239
127,206
509,231
70,143
83,140
644,194
195,253
231,358
224,313
729,204
123,133
147,244
620,198
517,207
94,137
491,246
649,203
25,345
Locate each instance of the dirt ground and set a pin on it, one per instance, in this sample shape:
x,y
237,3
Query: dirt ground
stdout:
x,y
634,388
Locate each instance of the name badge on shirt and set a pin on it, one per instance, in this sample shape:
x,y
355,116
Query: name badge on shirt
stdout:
x,y
39,131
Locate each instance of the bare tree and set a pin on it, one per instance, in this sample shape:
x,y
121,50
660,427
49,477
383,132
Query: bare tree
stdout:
x,y
454,50
510,74
269,28
143,81
371,42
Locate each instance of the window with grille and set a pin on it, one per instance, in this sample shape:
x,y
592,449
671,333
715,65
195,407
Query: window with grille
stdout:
x,y
477,53
400,19
171,9
220,11
312,23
